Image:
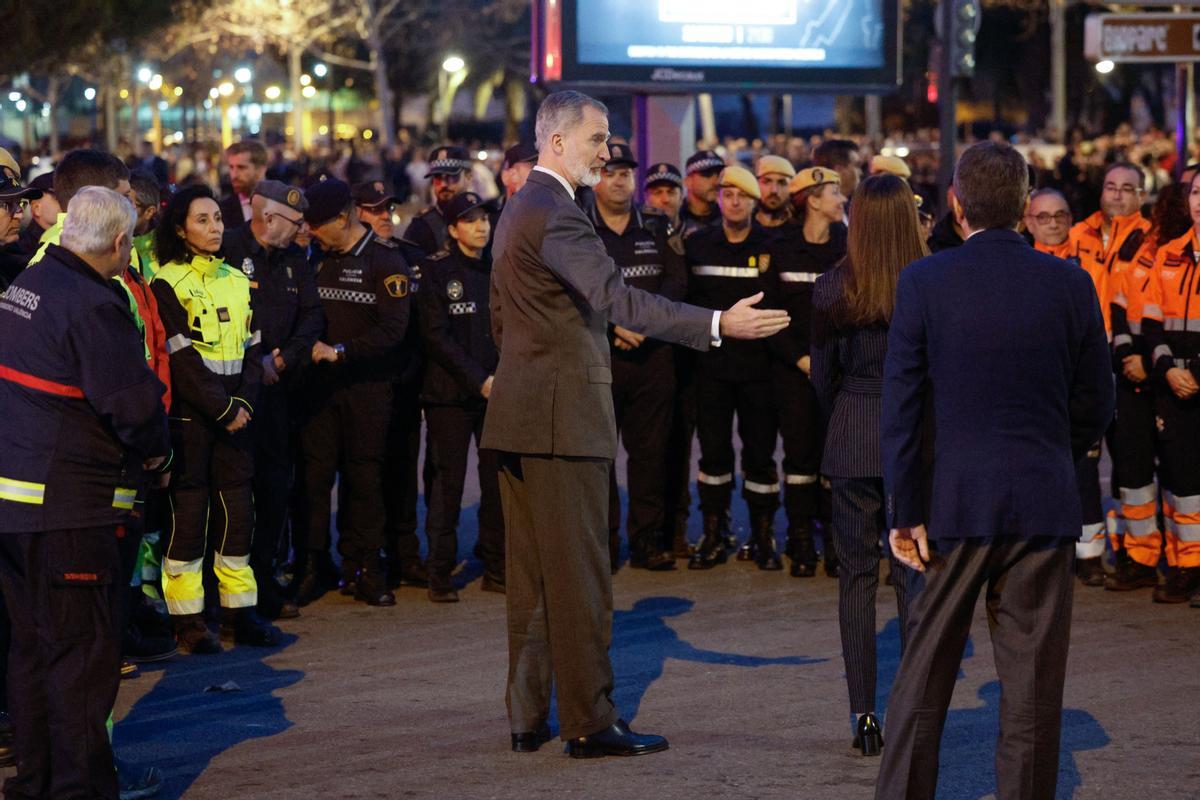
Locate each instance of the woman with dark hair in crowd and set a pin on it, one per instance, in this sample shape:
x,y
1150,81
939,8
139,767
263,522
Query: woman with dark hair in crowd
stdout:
x,y
216,369
852,306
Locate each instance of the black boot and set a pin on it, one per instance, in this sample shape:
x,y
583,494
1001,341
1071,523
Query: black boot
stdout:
x,y
348,585
680,547
372,583
711,550
245,626
763,535
646,553
828,551
193,635
800,549
309,587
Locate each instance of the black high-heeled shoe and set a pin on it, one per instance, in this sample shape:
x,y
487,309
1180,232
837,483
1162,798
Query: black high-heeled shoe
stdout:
x,y
868,740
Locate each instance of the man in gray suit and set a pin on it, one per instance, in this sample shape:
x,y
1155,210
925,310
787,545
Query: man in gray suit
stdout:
x,y
550,415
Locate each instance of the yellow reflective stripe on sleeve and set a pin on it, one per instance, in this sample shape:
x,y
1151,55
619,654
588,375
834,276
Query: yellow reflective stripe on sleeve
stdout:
x,y
22,491
123,498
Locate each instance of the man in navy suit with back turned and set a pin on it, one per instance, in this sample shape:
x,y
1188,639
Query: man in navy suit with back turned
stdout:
x,y
1002,350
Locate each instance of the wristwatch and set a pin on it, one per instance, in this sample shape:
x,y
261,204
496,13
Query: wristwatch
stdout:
x,y
340,349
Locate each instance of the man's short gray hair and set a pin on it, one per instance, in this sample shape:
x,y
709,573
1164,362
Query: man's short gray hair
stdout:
x,y
562,111
97,217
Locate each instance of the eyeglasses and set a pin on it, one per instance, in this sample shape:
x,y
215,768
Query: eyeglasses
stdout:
x,y
1045,218
1122,189
297,222
448,178
14,207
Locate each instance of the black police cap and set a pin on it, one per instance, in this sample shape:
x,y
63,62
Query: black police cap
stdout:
x,y
326,199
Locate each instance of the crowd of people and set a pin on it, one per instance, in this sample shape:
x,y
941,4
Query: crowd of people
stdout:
x,y
207,371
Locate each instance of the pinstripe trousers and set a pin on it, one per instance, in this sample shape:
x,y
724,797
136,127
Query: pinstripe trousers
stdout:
x,y
859,527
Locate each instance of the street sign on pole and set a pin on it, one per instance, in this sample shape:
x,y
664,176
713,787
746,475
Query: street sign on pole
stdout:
x,y
1142,38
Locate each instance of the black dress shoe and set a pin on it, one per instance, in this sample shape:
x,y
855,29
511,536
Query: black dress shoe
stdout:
x,y
868,740
1090,571
413,573
493,582
615,740
531,741
440,594
650,557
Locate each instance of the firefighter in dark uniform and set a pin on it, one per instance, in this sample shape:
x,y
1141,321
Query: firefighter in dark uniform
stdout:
x,y
363,283
808,247
449,171
283,291
216,372
727,263
461,358
643,369
83,417
403,549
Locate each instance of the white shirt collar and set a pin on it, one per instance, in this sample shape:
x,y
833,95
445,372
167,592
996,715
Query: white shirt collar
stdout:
x,y
566,184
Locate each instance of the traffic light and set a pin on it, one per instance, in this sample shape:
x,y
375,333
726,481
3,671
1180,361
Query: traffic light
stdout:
x,y
965,21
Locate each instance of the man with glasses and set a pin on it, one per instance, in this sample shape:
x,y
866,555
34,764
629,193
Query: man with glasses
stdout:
x,y
1048,220
1106,245
145,194
448,169
283,293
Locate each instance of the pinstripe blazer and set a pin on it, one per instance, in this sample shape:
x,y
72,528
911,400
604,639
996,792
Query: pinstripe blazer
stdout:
x,y
847,373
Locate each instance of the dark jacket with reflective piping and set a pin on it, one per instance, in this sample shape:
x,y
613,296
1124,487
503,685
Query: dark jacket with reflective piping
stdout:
x,y
456,327
215,346
428,230
798,263
283,292
82,410
720,273
650,260
367,299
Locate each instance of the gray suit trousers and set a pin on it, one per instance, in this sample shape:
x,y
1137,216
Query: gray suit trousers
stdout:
x,y
1029,585
559,591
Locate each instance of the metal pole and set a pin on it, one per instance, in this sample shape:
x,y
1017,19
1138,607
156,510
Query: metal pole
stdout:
x,y
947,108
1058,67
1182,74
874,109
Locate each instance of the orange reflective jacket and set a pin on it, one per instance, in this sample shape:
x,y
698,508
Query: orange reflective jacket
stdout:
x,y
1103,262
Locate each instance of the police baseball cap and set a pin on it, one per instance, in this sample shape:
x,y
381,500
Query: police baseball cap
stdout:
x,y
619,155
892,165
774,165
280,192
704,161
370,194
519,154
813,176
326,199
448,160
44,182
11,188
740,178
663,173
461,205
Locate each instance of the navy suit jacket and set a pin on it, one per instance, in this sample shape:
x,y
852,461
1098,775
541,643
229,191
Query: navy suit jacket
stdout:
x,y
1008,346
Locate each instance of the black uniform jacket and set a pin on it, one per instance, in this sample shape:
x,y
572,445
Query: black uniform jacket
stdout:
x,y
456,327
82,410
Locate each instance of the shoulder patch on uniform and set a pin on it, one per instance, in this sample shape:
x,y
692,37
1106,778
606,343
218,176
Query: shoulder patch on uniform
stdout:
x,y
454,290
764,262
248,267
397,285
440,255
388,243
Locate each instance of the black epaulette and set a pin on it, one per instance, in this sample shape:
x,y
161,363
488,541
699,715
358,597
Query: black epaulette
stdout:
x,y
440,255
388,243
427,210
1132,243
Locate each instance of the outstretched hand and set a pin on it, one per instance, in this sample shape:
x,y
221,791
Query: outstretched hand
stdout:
x,y
743,321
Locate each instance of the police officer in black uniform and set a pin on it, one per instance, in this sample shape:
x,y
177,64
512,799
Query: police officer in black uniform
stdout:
x,y
461,358
449,170
283,292
643,369
663,189
702,172
363,284
400,466
726,263
808,246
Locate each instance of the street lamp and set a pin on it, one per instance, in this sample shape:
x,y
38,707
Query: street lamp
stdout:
x,y
89,94
144,74
243,75
320,70
1104,67
14,97
273,92
155,83
453,64
225,89
454,72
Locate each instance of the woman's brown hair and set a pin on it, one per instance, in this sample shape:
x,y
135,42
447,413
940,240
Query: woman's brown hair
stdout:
x,y
885,236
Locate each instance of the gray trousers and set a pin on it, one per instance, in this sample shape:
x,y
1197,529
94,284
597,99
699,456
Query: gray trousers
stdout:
x,y
559,591
1029,585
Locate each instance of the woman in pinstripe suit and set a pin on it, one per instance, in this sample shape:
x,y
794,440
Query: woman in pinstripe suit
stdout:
x,y
852,305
